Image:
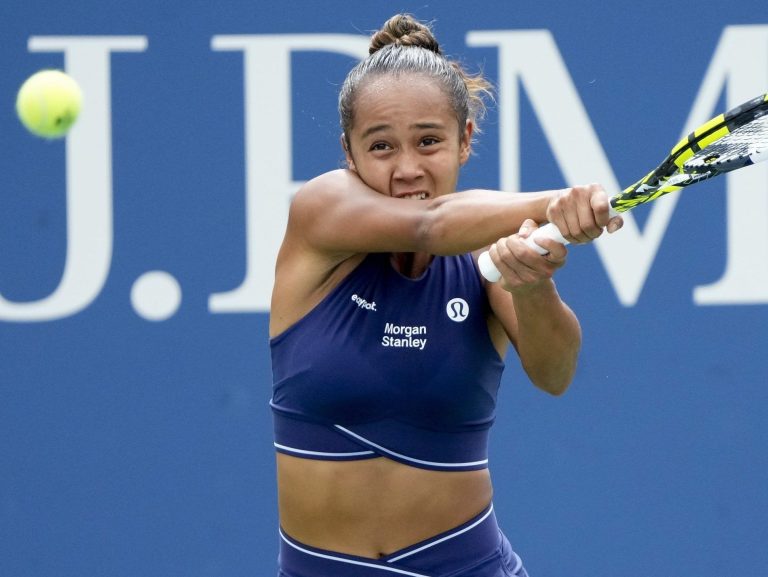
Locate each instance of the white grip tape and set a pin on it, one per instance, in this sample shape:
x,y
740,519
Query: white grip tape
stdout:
x,y
549,230
487,268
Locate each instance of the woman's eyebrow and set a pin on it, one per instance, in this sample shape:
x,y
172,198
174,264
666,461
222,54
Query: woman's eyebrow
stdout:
x,y
416,126
374,129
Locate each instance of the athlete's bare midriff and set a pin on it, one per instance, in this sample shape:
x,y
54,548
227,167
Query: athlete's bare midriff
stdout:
x,y
374,507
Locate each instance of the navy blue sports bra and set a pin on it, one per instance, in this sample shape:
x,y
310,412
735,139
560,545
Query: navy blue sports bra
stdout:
x,y
391,366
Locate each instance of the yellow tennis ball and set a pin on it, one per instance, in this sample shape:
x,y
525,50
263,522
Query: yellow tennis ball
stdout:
x,y
48,103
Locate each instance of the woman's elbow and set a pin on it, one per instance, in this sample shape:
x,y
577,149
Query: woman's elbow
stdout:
x,y
553,381
555,388
434,231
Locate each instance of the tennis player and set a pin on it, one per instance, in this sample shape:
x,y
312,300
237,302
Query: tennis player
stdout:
x,y
387,345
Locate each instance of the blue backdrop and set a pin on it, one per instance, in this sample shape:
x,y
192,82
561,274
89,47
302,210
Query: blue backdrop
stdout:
x,y
135,270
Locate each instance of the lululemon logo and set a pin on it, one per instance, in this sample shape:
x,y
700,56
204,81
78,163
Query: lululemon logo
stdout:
x,y
457,309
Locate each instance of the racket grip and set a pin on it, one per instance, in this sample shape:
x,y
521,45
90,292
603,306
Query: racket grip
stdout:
x,y
487,268
549,230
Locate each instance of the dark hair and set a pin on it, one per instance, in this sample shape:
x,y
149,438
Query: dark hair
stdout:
x,y
406,46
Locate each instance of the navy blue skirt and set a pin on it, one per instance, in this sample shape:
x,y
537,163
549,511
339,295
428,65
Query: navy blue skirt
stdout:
x,y
476,548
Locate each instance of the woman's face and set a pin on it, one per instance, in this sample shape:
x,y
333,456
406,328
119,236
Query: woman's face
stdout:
x,y
405,141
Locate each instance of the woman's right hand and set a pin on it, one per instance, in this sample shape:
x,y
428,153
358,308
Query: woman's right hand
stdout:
x,y
582,213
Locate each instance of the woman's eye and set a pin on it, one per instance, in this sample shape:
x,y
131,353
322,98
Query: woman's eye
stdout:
x,y
380,146
429,141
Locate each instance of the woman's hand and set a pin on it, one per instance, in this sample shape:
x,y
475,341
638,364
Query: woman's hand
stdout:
x,y
582,213
522,268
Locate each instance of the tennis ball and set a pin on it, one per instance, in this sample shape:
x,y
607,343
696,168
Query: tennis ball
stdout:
x,y
48,103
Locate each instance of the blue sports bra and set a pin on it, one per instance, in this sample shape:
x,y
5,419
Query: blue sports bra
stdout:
x,y
390,366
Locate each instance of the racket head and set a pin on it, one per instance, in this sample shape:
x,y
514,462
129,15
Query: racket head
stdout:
x,y
745,145
732,140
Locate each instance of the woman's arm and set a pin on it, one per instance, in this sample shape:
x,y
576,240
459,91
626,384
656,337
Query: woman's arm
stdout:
x,y
543,329
338,214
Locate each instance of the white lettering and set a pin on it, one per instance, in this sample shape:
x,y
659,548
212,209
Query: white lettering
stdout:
x,y
269,182
406,330
364,304
406,343
88,179
531,58
741,63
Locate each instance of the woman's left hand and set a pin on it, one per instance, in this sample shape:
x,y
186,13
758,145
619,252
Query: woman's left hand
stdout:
x,y
522,268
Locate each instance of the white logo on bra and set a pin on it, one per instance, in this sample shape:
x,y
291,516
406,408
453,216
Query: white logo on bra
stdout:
x,y
457,309
364,304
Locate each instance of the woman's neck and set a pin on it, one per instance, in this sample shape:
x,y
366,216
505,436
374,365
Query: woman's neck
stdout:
x,y
411,264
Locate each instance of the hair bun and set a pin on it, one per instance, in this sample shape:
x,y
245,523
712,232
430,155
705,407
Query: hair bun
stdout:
x,y
404,30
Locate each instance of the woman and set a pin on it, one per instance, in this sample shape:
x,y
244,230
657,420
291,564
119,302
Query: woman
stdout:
x,y
387,345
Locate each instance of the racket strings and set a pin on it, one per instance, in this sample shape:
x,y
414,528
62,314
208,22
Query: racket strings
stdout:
x,y
736,149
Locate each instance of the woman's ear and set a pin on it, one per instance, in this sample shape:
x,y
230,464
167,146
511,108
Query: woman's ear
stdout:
x,y
347,153
466,142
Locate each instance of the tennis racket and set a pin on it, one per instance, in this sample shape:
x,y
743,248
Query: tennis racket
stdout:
x,y
730,141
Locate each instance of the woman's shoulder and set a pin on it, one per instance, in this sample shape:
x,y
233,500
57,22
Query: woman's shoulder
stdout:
x,y
332,181
324,191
